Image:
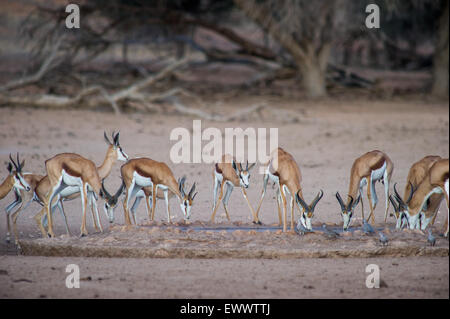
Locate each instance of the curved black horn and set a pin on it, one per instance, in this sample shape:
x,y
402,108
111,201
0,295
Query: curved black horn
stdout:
x,y
192,190
120,190
301,202
394,204
411,193
108,196
316,200
341,202
246,167
398,197
350,203
12,161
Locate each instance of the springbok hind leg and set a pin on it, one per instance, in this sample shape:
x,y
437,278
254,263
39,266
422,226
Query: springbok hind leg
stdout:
x,y
216,204
84,201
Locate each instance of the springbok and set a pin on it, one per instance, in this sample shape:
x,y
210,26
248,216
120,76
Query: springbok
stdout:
x,y
145,172
17,182
416,175
285,173
435,182
366,170
111,201
114,153
230,174
72,170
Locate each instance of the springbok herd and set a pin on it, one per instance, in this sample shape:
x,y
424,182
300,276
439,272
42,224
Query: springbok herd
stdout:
x,y
71,176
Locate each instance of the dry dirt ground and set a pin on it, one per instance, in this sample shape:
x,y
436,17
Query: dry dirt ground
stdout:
x,y
324,137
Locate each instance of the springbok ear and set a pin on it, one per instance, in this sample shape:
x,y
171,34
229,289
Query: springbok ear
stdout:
x,y
22,164
10,167
251,166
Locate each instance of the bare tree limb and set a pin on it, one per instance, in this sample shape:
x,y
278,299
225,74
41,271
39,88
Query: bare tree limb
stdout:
x,y
45,67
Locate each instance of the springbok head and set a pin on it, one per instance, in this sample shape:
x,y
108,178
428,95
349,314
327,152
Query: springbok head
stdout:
x,y
186,199
347,209
243,173
308,210
115,146
401,206
111,201
16,173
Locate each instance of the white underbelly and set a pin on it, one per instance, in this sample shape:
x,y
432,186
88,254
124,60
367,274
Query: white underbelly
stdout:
x,y
141,180
379,173
69,190
71,180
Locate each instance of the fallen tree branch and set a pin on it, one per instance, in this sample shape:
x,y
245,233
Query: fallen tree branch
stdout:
x,y
45,67
215,117
130,92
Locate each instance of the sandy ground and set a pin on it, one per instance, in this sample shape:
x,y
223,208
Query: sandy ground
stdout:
x,y
324,137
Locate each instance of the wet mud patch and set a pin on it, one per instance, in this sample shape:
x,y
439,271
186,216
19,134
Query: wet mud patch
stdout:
x,y
200,240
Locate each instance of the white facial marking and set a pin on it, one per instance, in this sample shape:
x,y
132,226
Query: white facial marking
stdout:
x,y
121,156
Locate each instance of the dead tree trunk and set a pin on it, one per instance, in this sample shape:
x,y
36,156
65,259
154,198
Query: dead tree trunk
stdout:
x,y
310,59
440,62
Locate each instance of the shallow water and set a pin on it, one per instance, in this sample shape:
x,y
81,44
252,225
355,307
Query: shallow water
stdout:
x,y
261,228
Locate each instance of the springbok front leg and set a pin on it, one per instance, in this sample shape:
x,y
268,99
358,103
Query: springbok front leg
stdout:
x,y
386,194
60,206
154,190
95,217
263,193
283,199
9,208
370,191
292,212
255,217
280,219
94,207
